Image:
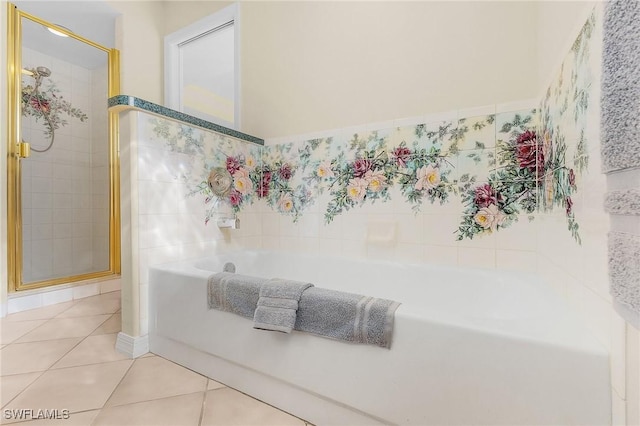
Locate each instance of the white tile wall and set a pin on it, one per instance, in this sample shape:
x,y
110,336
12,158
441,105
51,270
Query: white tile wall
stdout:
x,y
65,190
33,299
170,225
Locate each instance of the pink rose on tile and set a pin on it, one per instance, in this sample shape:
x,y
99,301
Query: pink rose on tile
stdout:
x,y
357,189
241,172
490,217
376,180
235,198
529,153
233,164
485,195
428,177
243,185
263,190
402,155
285,171
360,167
263,187
324,170
285,202
241,181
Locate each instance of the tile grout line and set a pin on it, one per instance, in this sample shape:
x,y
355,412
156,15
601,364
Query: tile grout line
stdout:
x,y
163,397
43,371
60,338
113,391
204,401
54,362
25,388
46,320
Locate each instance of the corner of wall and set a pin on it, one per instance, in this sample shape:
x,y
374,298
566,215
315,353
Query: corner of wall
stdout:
x,y
558,22
139,35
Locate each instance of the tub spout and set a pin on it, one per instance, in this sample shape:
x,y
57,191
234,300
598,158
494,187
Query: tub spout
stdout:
x,y
229,222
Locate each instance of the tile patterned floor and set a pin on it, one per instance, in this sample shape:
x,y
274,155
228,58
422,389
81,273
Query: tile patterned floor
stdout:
x,y
63,357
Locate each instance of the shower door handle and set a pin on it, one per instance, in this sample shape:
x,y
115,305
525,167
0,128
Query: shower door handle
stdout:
x,y
24,150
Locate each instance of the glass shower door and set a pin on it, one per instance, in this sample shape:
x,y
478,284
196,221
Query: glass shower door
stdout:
x,y
64,200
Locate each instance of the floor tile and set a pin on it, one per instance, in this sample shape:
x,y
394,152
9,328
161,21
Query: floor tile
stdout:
x,y
74,389
112,325
230,407
95,305
111,295
10,386
183,410
92,350
155,377
12,330
46,312
60,328
147,355
19,358
214,385
75,419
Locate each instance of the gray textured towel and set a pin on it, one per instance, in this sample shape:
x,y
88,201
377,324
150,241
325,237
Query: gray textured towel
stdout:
x,y
278,303
329,313
625,202
346,316
624,272
234,293
620,105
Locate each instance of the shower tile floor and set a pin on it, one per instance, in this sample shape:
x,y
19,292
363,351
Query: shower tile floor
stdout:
x,y
62,357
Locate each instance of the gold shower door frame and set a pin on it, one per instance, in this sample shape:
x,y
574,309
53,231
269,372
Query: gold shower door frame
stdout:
x,y
14,137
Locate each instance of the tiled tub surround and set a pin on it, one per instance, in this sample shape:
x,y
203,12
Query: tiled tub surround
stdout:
x,y
505,342
300,194
464,188
162,161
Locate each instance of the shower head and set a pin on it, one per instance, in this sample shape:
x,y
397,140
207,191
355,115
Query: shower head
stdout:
x,y
42,72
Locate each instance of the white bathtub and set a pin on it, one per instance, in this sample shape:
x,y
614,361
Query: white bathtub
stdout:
x,y
469,346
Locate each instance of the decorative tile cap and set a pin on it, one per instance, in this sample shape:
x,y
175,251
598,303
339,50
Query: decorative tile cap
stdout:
x,y
126,102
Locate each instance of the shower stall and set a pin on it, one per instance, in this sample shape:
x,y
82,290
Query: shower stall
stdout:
x,y
63,168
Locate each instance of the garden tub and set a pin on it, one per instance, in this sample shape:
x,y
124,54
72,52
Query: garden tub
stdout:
x,y
469,346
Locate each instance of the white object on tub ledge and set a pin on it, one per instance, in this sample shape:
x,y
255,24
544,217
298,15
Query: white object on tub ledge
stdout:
x,y
228,222
470,346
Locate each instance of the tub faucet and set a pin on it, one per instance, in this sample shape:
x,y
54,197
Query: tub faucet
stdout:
x,y
229,222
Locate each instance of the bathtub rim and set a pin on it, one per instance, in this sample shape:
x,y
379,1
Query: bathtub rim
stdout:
x,y
563,330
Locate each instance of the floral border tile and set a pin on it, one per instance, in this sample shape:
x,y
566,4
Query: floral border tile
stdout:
x,y
502,168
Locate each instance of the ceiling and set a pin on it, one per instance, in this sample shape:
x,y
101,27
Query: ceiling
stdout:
x,y
93,20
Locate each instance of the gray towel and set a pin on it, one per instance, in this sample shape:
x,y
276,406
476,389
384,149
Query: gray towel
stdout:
x,y
234,293
346,316
329,313
278,303
620,104
624,272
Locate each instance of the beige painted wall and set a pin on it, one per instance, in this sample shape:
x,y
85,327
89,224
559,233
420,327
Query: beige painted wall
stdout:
x,y
139,39
309,66
558,24
178,14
